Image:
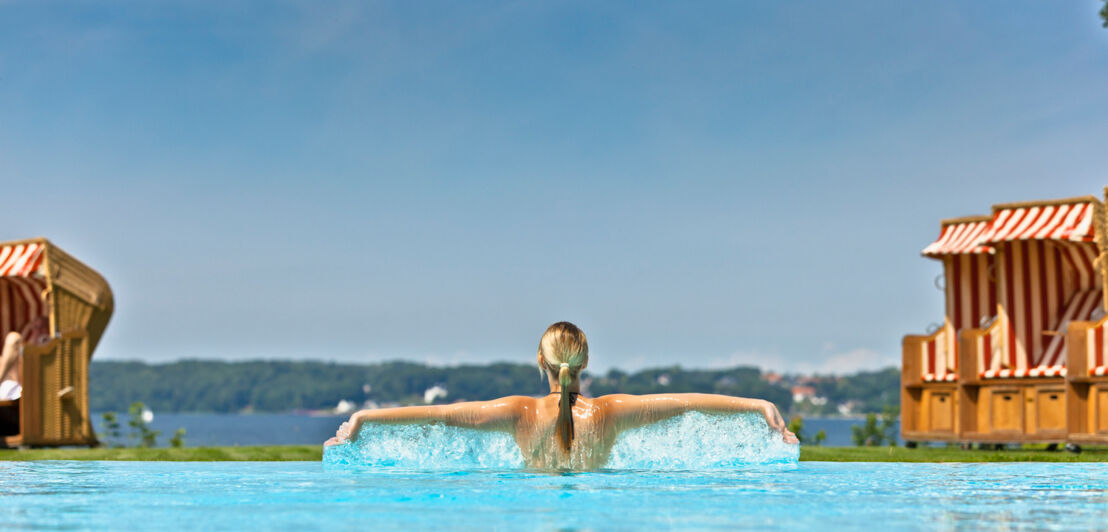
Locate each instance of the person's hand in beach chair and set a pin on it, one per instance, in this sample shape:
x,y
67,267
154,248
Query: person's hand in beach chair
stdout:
x,y
35,331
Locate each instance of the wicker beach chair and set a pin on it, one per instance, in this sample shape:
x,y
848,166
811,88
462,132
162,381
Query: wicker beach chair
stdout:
x,y
38,279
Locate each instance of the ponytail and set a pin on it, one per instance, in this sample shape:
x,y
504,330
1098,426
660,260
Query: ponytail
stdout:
x,y
564,427
563,350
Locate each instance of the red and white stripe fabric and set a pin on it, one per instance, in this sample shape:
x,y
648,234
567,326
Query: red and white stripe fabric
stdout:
x,y
970,290
1083,306
1045,259
1071,222
992,358
995,357
1042,290
20,260
21,286
971,298
939,355
1096,346
1080,256
20,301
958,238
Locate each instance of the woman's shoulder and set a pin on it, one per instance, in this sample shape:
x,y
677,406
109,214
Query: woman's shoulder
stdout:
x,y
615,398
513,400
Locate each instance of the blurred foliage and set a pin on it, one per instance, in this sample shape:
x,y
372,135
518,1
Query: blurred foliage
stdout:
x,y
741,381
796,426
178,439
874,432
1104,14
869,391
141,434
112,429
281,386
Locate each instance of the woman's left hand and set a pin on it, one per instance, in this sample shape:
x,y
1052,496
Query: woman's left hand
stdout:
x,y
776,422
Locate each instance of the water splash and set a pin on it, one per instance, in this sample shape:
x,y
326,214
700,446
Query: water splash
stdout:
x,y
427,446
702,441
689,442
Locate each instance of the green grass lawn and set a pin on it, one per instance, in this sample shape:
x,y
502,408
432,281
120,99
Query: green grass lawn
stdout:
x,y
944,454
266,453
277,453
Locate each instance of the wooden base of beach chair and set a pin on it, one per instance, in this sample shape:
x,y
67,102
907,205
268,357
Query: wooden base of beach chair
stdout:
x,y
1088,410
1014,411
930,413
928,410
53,410
1086,391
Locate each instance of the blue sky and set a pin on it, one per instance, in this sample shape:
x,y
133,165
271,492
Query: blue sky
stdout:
x,y
705,185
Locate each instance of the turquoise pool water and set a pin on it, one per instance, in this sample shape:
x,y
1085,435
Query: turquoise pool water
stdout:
x,y
306,496
694,472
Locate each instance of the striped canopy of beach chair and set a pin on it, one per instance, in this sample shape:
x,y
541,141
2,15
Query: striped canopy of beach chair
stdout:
x,y
21,285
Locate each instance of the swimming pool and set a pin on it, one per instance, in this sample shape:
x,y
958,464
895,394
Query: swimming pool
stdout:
x,y
307,496
694,472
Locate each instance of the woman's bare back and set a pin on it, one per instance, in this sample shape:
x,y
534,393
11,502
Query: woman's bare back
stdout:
x,y
535,434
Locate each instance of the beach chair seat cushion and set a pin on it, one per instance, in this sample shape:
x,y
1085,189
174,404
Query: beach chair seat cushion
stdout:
x,y
1040,371
935,377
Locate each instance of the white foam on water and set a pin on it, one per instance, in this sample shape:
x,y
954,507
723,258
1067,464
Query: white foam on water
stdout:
x,y
687,442
426,446
702,441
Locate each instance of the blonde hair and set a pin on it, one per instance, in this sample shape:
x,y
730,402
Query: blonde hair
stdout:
x,y
565,352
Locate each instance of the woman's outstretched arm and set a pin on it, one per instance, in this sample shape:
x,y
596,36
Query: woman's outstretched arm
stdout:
x,y
630,411
498,414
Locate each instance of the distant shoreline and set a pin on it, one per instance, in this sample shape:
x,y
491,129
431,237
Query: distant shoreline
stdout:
x,y
294,386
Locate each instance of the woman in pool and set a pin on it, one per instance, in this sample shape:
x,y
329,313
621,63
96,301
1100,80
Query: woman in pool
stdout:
x,y
563,429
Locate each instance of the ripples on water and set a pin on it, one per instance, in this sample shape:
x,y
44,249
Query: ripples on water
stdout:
x,y
686,442
303,496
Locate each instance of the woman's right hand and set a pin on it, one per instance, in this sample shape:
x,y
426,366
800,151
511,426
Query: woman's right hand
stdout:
x,y
342,435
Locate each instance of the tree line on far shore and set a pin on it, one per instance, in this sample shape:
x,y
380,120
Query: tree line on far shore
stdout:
x,y
283,386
